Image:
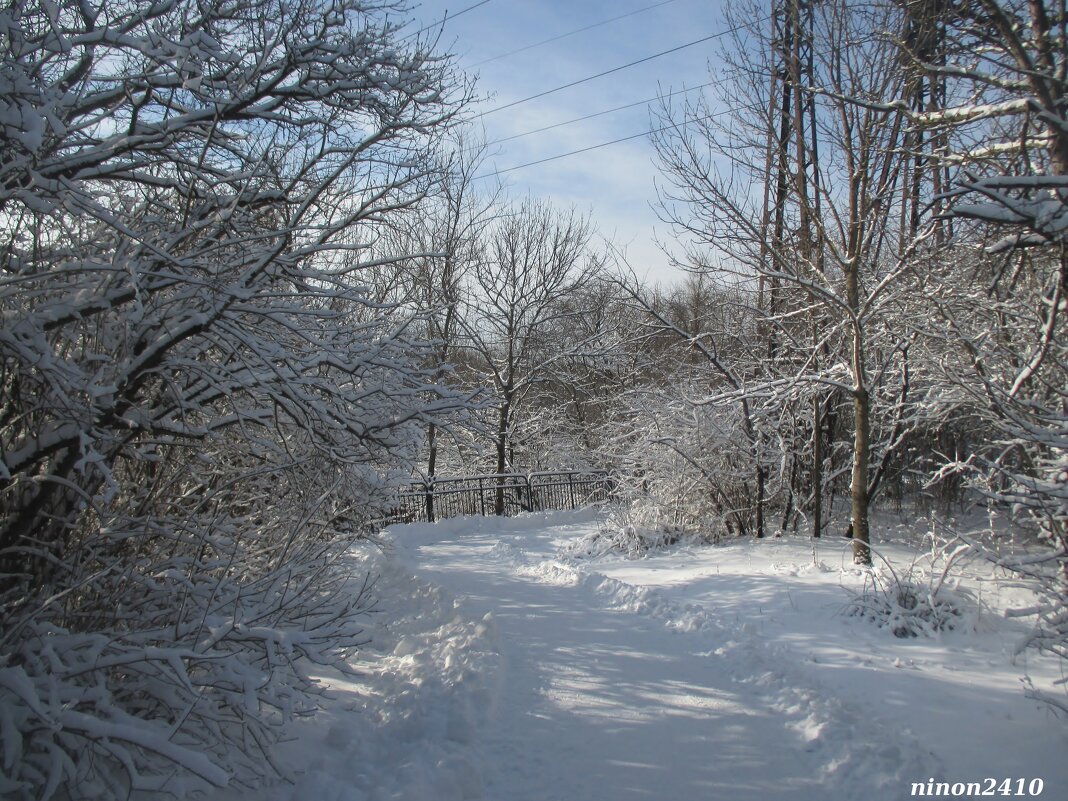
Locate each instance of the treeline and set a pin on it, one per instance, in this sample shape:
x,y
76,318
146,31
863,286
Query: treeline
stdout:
x,y
202,404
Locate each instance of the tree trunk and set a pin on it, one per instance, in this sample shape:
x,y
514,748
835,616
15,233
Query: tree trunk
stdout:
x,y
817,468
502,456
859,486
761,477
431,467
861,404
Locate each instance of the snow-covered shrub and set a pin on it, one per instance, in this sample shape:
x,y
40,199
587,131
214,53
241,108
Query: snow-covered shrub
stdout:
x,y
907,608
631,530
201,406
1019,464
685,466
916,601
183,667
1000,285
1004,376
1041,502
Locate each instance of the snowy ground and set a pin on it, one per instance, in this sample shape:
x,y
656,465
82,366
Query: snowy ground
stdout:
x,y
501,670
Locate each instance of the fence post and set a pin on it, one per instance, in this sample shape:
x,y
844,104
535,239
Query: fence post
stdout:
x,y
529,505
498,496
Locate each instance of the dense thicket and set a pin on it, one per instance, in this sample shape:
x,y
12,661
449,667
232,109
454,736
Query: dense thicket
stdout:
x,y
888,216
202,405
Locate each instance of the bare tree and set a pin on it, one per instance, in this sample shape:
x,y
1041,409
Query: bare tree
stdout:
x,y
719,455
829,269
1000,289
443,240
200,406
533,259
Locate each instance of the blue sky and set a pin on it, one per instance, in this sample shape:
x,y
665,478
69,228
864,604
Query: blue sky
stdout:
x,y
615,184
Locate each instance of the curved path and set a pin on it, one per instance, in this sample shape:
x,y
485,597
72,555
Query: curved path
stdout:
x,y
602,695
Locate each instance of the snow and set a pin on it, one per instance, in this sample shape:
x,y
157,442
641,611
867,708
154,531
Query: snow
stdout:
x,y
502,669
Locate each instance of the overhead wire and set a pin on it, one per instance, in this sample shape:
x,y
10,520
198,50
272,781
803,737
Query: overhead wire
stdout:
x,y
602,74
600,145
447,18
682,124
724,32
557,38
597,114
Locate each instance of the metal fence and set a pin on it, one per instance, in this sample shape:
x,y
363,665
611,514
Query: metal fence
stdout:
x,y
502,493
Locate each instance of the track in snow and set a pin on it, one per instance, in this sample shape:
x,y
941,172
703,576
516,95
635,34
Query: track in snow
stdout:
x,y
607,691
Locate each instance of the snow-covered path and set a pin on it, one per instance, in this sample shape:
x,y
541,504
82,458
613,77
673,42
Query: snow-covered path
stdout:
x,y
595,702
606,690
501,671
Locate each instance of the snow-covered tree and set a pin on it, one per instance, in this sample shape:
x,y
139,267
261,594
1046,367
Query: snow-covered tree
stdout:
x,y
445,237
793,198
998,293
580,400
533,259
201,406
693,463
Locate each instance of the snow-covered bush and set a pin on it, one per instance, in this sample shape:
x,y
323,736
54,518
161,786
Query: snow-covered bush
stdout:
x,y
201,406
998,289
1004,374
1039,498
906,608
632,530
684,465
136,688
915,601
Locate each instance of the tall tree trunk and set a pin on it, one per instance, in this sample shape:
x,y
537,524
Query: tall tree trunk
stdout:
x,y
859,486
761,476
431,467
502,455
861,423
817,467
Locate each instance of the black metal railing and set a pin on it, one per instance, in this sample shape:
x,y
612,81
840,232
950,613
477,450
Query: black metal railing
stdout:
x,y
500,493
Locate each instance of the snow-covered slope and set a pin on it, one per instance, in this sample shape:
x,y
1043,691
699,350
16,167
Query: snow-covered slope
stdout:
x,y
501,670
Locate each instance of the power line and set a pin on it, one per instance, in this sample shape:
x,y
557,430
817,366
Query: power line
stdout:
x,y
596,114
609,72
683,124
447,17
570,33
